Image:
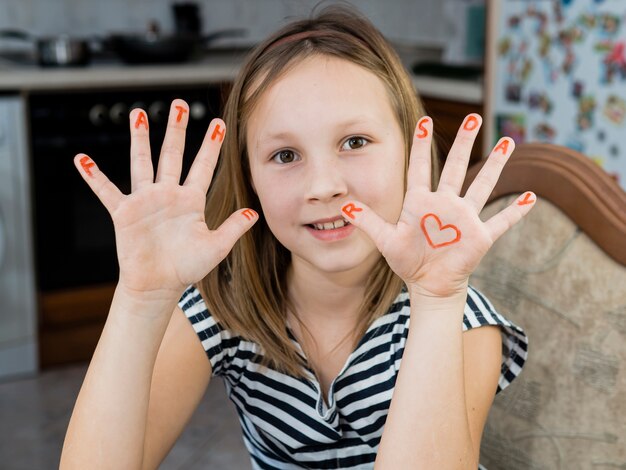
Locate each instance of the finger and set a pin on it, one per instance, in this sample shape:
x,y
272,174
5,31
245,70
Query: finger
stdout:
x,y
201,171
364,218
480,189
171,158
454,170
231,230
107,192
509,216
141,171
420,159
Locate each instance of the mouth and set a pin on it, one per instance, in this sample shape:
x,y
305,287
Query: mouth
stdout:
x,y
339,223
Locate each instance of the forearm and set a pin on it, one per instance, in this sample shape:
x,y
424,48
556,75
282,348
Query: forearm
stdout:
x,y
107,427
427,425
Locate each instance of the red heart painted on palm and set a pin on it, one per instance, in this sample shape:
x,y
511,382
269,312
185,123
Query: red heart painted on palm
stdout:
x,y
437,234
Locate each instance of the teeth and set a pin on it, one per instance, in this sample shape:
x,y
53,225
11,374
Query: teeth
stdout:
x,y
331,225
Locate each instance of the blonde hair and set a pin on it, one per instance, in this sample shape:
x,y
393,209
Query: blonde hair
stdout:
x,y
247,292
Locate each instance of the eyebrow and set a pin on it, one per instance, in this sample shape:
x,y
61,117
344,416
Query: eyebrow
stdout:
x,y
281,135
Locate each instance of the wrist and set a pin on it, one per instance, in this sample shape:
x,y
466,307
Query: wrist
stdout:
x,y
423,299
146,303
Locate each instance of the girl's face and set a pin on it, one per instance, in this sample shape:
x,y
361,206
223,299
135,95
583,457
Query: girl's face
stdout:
x,y
323,133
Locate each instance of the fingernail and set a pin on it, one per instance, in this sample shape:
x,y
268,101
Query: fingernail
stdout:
x,y
87,163
503,146
471,123
218,132
526,198
423,131
249,214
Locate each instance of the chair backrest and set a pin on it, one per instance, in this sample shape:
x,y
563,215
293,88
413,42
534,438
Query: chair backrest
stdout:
x,y
561,275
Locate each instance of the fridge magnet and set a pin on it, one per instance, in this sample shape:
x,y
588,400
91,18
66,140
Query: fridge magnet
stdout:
x,y
615,109
614,151
587,21
512,125
586,106
577,89
504,46
540,101
609,24
570,36
615,63
544,132
598,160
569,61
513,93
514,21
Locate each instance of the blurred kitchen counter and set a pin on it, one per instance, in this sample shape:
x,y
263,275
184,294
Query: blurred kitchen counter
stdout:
x,y
16,77
113,74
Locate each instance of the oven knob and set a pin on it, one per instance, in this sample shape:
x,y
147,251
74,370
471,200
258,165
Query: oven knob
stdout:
x,y
119,113
98,115
197,110
157,111
137,104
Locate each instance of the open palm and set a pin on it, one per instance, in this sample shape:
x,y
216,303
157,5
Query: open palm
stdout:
x,y
163,242
439,238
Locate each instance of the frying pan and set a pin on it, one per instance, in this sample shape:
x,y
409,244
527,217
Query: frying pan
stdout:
x,y
153,48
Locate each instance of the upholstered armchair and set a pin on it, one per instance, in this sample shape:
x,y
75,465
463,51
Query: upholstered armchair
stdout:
x,y
561,275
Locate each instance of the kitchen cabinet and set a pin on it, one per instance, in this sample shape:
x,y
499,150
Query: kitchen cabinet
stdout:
x,y
447,115
71,322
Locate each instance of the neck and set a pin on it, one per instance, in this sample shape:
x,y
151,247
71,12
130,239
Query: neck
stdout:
x,y
321,298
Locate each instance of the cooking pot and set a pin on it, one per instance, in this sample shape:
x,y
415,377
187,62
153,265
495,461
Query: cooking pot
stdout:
x,y
54,51
153,47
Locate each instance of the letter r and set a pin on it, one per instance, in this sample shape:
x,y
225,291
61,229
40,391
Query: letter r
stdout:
x,y
349,208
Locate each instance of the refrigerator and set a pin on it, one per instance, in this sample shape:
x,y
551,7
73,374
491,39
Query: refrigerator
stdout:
x,y
556,73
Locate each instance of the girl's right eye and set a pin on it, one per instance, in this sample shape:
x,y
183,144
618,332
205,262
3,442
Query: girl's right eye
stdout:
x,y
284,156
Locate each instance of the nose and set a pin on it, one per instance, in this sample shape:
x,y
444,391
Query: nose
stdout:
x,y
325,180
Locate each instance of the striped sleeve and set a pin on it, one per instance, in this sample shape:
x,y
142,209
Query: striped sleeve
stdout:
x,y
220,346
479,312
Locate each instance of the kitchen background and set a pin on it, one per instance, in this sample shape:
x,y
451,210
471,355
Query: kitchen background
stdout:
x,y
409,21
57,250
50,113
57,254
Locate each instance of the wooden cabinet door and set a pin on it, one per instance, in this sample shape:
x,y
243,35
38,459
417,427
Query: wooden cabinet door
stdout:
x,y
447,118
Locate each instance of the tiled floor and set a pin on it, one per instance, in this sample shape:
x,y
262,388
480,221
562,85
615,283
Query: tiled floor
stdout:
x,y
34,413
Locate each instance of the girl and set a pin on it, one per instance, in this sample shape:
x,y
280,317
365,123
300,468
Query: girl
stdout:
x,y
303,299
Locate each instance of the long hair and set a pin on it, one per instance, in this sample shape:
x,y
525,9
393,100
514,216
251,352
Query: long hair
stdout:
x,y
247,292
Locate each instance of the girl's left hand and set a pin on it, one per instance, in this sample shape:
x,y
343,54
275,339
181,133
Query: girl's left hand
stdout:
x,y
439,238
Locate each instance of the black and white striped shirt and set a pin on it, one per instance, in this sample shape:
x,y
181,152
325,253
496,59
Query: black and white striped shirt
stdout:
x,y
285,421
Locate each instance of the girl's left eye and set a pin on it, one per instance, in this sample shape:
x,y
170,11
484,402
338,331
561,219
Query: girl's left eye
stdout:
x,y
285,156
354,143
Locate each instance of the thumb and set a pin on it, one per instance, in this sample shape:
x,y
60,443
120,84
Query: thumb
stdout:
x,y
365,219
232,229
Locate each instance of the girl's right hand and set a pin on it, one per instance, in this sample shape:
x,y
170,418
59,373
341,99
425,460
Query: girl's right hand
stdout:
x,y
163,242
